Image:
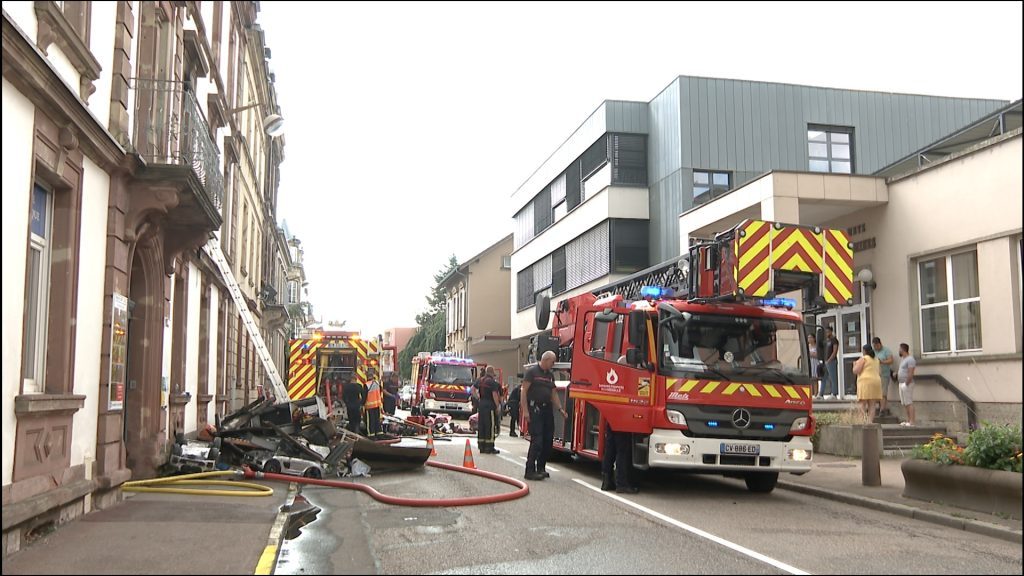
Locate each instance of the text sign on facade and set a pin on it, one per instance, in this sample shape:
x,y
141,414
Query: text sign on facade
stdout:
x,y
118,351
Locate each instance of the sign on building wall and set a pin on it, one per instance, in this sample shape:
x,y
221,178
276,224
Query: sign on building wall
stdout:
x,y
118,351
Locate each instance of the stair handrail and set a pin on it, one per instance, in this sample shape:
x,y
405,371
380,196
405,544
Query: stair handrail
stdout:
x,y
972,409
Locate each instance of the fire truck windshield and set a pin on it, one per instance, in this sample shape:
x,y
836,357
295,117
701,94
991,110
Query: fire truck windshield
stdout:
x,y
731,347
451,374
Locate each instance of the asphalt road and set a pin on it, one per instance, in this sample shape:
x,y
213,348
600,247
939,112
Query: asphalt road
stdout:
x,y
677,524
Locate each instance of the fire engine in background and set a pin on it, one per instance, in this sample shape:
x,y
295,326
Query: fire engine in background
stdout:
x,y
442,383
320,362
698,358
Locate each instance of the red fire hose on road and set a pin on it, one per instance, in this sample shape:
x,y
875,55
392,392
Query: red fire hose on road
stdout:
x,y
522,488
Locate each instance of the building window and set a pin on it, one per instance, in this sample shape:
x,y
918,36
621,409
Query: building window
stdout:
x,y
587,257
524,288
243,257
629,159
506,262
708,185
461,299
558,271
559,207
542,211
293,292
573,186
629,246
37,297
950,303
830,149
78,15
524,226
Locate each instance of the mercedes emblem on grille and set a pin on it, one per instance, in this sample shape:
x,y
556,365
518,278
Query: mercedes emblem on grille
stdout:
x,y
741,418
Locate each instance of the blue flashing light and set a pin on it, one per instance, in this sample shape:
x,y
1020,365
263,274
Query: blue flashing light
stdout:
x,y
712,423
769,426
655,292
779,302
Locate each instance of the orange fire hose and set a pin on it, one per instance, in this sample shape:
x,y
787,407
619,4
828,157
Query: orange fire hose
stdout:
x,y
522,488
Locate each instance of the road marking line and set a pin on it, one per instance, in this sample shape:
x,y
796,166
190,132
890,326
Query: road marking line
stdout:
x,y
509,459
546,467
267,563
745,551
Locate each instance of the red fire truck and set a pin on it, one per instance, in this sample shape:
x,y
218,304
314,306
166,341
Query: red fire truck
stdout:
x,y
320,362
442,383
698,358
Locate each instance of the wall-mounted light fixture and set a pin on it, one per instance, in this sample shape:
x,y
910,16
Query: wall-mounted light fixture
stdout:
x,y
867,278
273,124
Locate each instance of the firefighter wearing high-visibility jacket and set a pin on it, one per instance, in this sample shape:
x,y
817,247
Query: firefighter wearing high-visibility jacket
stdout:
x,y
373,404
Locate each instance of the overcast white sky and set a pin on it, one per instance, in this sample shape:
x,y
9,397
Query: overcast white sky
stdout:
x,y
409,126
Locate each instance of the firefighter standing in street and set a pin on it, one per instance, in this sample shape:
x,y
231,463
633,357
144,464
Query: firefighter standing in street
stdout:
x,y
617,454
490,401
373,404
353,394
513,410
390,393
539,397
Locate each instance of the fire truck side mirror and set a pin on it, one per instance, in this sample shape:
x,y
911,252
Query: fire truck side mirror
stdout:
x,y
543,311
637,328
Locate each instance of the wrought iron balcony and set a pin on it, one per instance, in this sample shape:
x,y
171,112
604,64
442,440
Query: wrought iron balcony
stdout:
x,y
171,130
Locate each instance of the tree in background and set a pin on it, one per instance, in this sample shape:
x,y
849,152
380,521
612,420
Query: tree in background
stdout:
x,y
430,335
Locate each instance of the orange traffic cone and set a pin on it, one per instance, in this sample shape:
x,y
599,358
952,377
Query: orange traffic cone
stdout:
x,y
430,443
467,458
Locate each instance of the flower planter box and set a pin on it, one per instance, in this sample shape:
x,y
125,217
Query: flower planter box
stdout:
x,y
843,439
979,489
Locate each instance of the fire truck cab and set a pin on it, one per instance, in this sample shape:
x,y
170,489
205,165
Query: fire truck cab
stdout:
x,y
698,358
442,383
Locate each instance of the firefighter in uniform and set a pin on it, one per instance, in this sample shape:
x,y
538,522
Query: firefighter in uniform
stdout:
x,y
617,455
540,399
353,395
373,404
490,401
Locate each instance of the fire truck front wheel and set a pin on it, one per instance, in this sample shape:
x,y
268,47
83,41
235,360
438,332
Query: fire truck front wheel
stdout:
x,y
761,482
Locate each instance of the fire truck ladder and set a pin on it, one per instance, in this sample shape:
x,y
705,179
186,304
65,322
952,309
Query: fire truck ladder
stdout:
x,y
212,248
673,273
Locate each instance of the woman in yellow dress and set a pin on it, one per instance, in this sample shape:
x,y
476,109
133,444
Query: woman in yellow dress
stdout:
x,y
869,382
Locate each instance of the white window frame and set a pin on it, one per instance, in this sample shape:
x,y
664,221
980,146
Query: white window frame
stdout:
x,y
828,158
36,243
950,303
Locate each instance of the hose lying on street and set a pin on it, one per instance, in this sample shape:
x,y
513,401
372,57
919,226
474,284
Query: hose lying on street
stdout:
x,y
170,485
522,488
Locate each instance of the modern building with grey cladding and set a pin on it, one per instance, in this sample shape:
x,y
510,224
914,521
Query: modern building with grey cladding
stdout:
x,y
608,201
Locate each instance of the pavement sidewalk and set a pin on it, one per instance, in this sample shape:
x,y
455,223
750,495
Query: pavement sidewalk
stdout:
x,y
840,478
157,533
170,533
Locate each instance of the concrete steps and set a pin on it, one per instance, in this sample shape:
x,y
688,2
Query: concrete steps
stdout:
x,y
906,438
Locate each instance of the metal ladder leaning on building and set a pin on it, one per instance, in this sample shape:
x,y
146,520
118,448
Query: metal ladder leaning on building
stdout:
x,y
212,248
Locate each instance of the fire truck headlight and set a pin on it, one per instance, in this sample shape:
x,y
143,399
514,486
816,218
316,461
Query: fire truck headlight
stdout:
x,y
672,448
798,455
675,417
800,424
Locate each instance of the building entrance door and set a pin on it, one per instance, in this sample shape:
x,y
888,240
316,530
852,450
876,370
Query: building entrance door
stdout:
x,y
850,325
